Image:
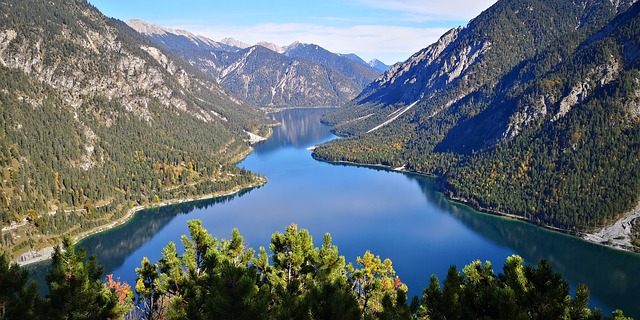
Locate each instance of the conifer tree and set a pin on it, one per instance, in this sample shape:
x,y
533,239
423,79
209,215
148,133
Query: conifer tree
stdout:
x,y
17,299
76,289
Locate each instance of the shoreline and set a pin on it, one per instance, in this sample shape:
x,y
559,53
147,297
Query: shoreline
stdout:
x,y
618,234
269,110
44,254
615,236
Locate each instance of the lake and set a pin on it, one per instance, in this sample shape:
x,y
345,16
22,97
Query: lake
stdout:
x,y
395,215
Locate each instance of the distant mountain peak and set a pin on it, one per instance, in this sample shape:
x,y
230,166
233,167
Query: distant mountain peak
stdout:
x,y
153,29
146,27
379,65
182,38
353,57
294,44
235,43
265,73
271,46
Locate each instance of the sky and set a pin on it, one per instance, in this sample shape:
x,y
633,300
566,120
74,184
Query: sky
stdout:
x,y
388,30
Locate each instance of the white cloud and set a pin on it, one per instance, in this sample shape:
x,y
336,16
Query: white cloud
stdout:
x,y
407,27
389,44
430,10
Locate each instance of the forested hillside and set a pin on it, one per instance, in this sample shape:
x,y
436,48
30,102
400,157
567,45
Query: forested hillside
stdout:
x,y
95,119
531,109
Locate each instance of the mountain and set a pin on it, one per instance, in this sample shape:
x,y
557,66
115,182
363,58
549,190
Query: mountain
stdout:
x,y
518,114
361,74
266,74
353,57
173,39
272,46
97,119
270,79
229,41
374,63
379,65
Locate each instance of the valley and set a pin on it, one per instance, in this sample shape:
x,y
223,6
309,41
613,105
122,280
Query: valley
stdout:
x,y
512,137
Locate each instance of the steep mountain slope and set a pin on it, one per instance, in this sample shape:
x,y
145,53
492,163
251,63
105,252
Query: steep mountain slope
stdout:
x,y
362,74
266,74
97,119
519,114
270,79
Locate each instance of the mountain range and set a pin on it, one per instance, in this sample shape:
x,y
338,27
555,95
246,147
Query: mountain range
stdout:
x,y
268,75
532,117
97,119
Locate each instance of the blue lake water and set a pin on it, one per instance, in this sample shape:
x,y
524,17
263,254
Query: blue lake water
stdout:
x,y
395,215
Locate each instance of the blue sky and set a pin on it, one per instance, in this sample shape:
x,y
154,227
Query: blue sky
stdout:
x,y
390,30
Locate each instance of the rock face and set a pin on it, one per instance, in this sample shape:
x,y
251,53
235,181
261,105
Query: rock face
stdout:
x,y
270,79
432,69
361,74
266,74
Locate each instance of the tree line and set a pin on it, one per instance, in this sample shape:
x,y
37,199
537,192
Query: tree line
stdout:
x,y
223,279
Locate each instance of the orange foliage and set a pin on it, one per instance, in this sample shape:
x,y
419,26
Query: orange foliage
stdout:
x,y
397,283
121,288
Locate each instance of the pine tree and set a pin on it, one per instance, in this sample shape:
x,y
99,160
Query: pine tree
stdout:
x,y
76,290
17,300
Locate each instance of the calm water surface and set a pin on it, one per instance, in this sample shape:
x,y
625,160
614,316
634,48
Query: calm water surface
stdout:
x,y
397,216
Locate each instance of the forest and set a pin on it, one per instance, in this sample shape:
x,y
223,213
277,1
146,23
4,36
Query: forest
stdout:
x,y
223,279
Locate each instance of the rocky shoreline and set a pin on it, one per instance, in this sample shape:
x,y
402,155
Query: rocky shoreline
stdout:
x,y
619,234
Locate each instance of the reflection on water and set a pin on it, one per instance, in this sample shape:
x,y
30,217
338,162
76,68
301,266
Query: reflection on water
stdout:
x,y
298,128
113,246
610,274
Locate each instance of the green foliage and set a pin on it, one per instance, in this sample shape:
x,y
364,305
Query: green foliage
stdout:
x,y
17,299
306,282
224,280
293,257
374,281
520,292
76,290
